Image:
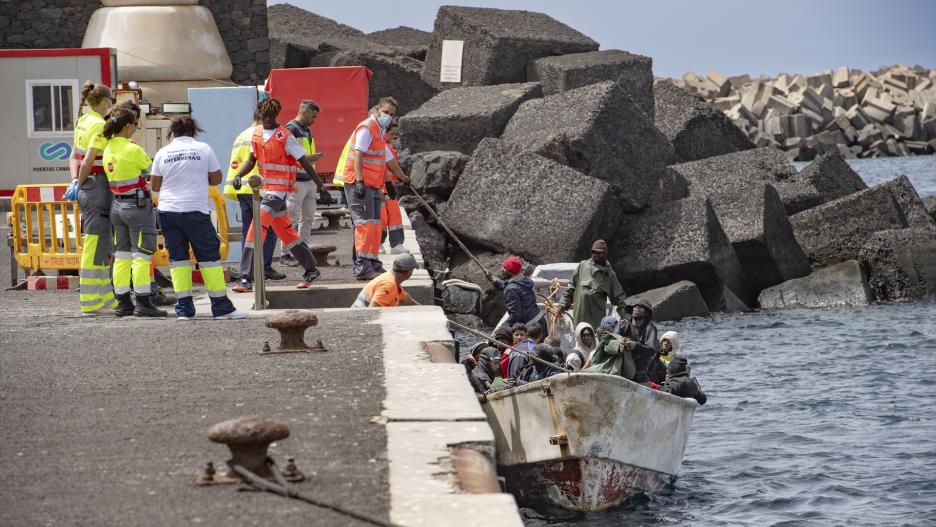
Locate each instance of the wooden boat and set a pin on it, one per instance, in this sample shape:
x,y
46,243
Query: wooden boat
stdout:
x,y
587,441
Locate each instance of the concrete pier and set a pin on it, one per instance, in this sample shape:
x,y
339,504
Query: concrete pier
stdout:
x,y
105,420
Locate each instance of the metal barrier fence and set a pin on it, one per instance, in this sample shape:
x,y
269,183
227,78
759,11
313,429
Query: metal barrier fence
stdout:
x,y
46,229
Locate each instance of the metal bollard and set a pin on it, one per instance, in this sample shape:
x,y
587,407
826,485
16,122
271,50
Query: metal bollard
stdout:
x,y
256,182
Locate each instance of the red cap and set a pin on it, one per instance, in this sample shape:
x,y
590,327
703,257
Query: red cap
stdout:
x,y
513,264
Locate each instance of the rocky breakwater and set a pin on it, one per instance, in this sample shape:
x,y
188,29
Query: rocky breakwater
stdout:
x,y
889,112
547,143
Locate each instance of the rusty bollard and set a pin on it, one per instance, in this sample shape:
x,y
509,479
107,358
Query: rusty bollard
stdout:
x,y
248,439
334,217
292,325
321,252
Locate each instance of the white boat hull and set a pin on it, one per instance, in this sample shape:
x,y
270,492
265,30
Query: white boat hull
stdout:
x,y
587,441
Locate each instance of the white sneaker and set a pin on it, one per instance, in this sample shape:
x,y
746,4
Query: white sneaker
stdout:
x,y
233,315
399,249
383,249
185,318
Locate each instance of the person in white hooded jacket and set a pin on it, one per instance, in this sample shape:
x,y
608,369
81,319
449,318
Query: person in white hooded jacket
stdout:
x,y
584,346
669,346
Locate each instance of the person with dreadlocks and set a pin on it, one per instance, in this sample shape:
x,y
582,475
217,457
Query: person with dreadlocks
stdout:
x,y
125,164
276,152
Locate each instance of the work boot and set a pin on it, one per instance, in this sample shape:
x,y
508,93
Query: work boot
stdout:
x,y
273,274
145,308
161,299
124,306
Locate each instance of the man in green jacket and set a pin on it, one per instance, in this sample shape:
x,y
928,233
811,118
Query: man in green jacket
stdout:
x,y
613,355
593,285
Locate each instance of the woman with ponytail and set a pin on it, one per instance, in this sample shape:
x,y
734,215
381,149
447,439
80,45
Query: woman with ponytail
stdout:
x,y
132,215
94,201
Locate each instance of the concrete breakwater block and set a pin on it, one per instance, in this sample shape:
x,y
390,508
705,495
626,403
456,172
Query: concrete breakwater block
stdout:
x,y
433,242
930,203
598,131
755,221
696,129
567,72
765,165
509,199
461,297
827,178
674,301
901,264
842,284
912,207
396,76
836,231
307,33
680,240
460,118
499,44
436,172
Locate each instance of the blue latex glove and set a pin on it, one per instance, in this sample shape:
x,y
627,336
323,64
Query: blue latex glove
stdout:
x,y
72,193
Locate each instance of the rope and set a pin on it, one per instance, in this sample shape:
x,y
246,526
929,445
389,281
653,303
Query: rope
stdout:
x,y
289,492
449,231
181,70
492,339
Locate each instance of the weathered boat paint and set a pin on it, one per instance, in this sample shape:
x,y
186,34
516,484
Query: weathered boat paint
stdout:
x,y
587,441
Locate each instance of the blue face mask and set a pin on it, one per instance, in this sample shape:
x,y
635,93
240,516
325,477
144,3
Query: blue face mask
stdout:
x,y
384,119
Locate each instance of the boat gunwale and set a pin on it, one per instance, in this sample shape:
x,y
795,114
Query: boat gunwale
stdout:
x,y
560,377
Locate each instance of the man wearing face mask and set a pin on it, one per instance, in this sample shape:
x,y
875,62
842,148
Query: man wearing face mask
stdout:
x,y
639,336
363,177
593,285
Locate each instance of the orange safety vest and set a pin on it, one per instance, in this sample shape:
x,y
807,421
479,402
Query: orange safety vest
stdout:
x,y
274,163
374,158
395,158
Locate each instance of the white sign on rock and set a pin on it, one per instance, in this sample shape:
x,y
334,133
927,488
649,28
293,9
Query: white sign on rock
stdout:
x,y
451,68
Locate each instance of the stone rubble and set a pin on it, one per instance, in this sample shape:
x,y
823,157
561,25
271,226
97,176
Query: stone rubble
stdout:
x,y
548,143
888,112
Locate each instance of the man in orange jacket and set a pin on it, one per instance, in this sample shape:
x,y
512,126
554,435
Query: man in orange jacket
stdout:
x,y
275,152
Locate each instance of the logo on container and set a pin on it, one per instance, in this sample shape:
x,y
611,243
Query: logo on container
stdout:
x,y
53,151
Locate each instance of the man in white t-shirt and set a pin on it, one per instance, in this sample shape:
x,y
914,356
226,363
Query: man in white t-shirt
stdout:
x,y
182,172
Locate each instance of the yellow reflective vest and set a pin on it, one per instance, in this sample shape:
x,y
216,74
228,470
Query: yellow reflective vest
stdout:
x,y
239,154
338,180
125,164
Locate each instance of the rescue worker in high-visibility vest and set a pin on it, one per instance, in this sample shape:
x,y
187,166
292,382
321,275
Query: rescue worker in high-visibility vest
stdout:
x,y
132,216
94,201
364,176
182,173
276,152
244,197
391,219
300,204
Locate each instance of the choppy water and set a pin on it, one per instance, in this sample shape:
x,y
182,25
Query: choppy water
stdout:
x,y
920,169
815,417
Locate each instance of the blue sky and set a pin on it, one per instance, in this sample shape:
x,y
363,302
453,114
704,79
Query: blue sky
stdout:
x,y
731,36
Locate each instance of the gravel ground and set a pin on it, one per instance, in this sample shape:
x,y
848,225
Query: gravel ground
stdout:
x,y
104,421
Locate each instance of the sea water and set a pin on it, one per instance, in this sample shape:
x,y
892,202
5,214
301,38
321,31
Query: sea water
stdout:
x,y
814,417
